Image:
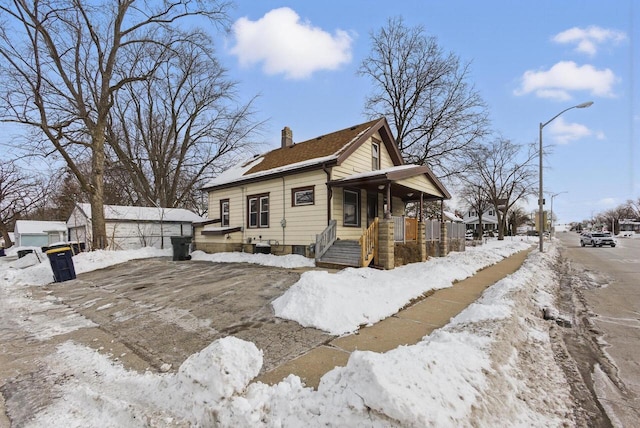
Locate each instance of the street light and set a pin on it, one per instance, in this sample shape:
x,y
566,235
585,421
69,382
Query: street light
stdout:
x,y
540,189
552,232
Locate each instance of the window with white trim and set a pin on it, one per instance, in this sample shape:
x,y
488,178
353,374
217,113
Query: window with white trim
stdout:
x,y
301,196
258,211
224,212
375,156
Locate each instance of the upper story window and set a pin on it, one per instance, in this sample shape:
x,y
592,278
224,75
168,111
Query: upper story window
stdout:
x,y
258,211
302,196
492,212
224,212
375,155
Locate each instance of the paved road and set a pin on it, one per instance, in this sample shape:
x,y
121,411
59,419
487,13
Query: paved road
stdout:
x,y
610,292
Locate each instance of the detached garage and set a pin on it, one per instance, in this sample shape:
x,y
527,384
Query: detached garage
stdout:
x,y
32,233
133,227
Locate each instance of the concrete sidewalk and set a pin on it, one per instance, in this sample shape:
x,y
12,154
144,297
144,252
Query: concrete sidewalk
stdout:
x,y
407,327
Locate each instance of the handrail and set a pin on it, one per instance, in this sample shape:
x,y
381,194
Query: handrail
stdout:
x,y
369,244
326,239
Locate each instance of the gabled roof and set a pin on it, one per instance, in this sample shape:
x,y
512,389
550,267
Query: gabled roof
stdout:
x,y
119,212
326,150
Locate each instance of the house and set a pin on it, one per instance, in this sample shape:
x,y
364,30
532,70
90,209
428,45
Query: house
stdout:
x,y
133,227
32,233
303,197
489,221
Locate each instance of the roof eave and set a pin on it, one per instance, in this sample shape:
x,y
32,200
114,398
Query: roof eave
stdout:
x,y
262,176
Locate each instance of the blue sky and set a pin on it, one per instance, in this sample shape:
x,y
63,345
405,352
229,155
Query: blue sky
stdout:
x,y
530,60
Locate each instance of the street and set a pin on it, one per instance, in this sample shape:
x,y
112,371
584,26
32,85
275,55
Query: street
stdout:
x,y
605,301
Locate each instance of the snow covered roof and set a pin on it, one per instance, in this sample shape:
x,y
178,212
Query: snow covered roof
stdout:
x,y
32,227
452,217
329,148
119,212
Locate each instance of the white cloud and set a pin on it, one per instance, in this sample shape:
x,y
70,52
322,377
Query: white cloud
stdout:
x,y
285,45
566,76
563,132
588,40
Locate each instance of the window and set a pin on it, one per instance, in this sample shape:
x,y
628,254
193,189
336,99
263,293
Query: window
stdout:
x,y
258,211
302,196
351,207
492,212
224,212
375,156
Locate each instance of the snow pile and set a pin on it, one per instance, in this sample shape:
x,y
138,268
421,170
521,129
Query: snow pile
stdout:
x,y
289,261
491,366
340,303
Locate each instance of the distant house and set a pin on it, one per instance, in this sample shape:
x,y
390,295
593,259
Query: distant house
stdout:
x,y
489,220
32,233
305,197
133,227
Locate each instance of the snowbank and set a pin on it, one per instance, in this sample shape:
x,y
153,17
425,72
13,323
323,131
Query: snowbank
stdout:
x,y
491,366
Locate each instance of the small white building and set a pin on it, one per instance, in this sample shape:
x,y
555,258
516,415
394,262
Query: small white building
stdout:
x,y
34,233
133,227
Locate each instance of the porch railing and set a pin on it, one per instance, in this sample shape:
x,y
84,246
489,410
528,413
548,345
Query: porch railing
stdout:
x,y
432,230
405,229
326,239
369,244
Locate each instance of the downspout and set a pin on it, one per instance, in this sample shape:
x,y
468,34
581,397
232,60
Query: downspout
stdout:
x,y
243,202
329,192
283,222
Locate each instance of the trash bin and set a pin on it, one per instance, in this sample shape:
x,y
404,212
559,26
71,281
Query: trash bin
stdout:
x,y
180,246
2,254
62,264
22,253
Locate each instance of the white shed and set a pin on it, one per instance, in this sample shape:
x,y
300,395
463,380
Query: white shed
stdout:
x,y
33,233
133,227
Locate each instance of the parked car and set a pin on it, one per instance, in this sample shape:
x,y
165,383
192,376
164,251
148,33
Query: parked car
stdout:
x,y
597,239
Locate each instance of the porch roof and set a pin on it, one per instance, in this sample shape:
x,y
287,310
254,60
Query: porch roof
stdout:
x,y
372,180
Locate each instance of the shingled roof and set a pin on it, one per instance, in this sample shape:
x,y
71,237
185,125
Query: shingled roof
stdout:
x,y
327,149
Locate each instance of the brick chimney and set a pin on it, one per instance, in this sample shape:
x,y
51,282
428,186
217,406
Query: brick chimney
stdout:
x,y
287,137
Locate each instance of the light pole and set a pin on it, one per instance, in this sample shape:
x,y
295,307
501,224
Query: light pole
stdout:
x,y
540,189
552,232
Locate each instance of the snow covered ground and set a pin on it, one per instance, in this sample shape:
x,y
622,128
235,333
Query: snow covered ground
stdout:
x,y
491,366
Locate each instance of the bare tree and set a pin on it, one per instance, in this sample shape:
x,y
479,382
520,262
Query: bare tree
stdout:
x,y
507,175
65,61
634,208
435,113
517,217
173,131
476,197
19,193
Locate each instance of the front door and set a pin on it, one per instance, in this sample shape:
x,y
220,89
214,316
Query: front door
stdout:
x,y
372,207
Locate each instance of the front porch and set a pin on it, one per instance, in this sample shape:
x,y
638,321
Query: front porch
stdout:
x,y
389,243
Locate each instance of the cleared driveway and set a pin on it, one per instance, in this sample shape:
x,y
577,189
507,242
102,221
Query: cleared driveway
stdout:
x,y
165,311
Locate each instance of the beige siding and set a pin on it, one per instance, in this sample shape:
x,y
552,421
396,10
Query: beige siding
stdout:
x,y
302,222
361,160
349,232
420,182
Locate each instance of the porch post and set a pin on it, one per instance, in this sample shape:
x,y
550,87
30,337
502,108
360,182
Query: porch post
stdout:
x,y
387,214
386,244
422,240
444,245
421,204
